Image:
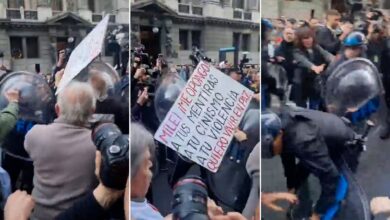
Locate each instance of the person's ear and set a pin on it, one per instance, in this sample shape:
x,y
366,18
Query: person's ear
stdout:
x,y
58,110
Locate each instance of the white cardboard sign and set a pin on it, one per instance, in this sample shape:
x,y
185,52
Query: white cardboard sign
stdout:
x,y
201,123
88,49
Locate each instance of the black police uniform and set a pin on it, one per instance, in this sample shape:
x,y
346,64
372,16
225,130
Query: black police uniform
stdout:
x,y
316,139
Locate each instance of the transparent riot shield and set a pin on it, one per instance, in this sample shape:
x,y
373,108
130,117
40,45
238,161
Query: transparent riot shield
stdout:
x,y
36,97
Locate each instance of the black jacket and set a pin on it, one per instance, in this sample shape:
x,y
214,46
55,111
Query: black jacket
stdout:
x,y
88,208
286,50
328,40
120,111
315,138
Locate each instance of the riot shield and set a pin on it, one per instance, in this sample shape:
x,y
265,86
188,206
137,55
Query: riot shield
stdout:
x,y
36,97
36,106
352,85
166,94
105,69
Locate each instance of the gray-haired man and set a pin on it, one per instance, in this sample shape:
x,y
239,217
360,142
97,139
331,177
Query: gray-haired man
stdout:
x,y
63,153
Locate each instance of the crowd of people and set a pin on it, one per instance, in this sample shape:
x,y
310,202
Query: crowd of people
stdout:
x,y
310,65
237,172
54,169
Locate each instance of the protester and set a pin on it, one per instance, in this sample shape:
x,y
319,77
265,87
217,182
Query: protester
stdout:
x,y
63,153
331,36
9,115
311,62
106,104
284,53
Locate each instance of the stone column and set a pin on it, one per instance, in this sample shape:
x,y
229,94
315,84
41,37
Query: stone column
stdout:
x,y
3,9
44,10
83,10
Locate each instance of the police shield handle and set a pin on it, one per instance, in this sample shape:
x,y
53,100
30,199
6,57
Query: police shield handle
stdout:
x,y
203,120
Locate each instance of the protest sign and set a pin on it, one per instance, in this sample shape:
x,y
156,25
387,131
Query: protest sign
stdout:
x,y
88,49
201,123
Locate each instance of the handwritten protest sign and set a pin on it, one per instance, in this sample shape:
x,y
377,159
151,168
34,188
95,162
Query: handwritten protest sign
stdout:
x,y
201,123
88,49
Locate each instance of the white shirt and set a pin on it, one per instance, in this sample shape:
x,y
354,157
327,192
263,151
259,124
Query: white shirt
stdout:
x,y
144,211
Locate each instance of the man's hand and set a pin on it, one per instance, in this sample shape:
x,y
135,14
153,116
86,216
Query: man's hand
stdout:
x,y
315,216
19,206
256,97
58,76
318,69
12,95
143,97
104,196
213,209
347,28
380,205
268,199
139,72
280,59
240,135
61,58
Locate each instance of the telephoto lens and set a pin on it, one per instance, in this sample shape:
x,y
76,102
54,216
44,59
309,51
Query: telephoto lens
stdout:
x,y
114,147
190,199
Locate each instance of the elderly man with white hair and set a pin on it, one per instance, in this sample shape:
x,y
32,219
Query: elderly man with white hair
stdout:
x,y
63,153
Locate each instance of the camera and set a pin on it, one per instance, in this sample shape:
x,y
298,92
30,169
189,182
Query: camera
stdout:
x,y
114,147
143,57
197,56
190,199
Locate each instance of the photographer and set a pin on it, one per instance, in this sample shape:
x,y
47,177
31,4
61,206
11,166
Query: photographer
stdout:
x,y
143,85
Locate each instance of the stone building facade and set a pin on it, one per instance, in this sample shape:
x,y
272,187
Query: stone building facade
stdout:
x,y
304,9
32,31
172,27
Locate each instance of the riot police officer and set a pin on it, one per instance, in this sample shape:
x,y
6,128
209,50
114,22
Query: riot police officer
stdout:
x,y
354,46
316,139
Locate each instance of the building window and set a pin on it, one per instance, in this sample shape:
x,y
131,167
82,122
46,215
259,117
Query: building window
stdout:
x,y
56,5
238,4
24,47
91,5
183,39
236,40
196,36
15,3
246,39
16,47
32,47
